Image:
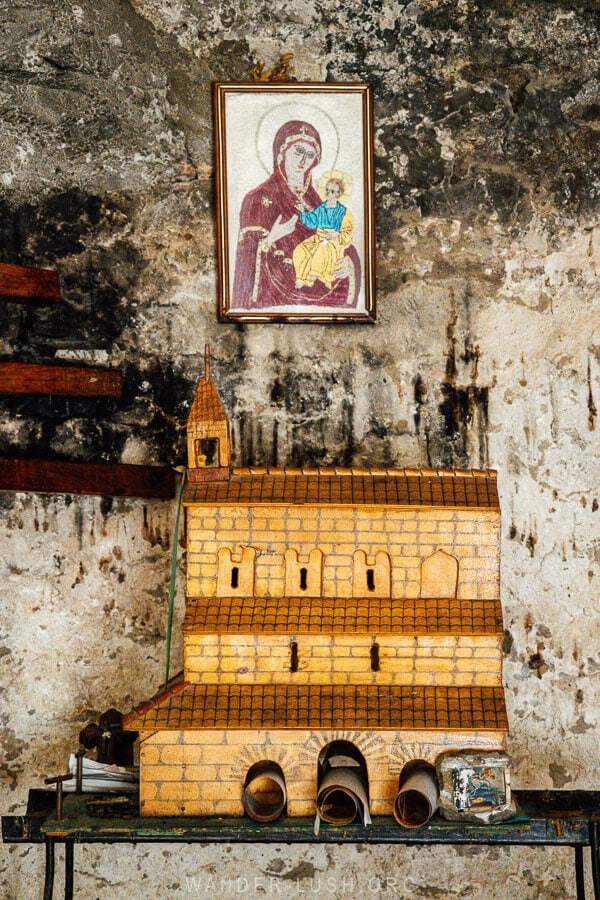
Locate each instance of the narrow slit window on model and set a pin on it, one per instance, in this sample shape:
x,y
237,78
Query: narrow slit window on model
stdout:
x,y
371,579
293,656
303,574
375,657
235,576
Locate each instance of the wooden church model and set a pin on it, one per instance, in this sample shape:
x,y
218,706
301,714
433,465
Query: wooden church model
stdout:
x,y
355,609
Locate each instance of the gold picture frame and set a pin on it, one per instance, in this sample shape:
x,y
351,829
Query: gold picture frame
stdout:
x,y
295,221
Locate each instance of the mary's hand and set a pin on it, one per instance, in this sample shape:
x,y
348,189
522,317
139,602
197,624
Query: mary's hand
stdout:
x,y
281,229
343,268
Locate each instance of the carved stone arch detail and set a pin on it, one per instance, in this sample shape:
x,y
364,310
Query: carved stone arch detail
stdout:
x,y
439,576
235,572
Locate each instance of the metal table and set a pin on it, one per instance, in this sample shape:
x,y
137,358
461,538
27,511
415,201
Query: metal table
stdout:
x,y
547,818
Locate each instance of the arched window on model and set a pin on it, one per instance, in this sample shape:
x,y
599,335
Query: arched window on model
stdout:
x,y
207,452
439,576
235,572
371,575
303,573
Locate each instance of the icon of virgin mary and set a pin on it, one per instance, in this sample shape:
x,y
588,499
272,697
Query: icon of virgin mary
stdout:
x,y
271,228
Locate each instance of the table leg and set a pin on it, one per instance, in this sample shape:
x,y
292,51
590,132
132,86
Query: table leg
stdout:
x,y
69,855
579,874
595,850
49,876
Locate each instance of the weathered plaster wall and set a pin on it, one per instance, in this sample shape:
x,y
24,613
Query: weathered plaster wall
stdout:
x,y
486,351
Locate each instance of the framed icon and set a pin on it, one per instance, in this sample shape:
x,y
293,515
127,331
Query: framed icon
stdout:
x,y
295,225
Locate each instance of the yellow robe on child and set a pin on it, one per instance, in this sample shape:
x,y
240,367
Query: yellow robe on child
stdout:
x,y
318,256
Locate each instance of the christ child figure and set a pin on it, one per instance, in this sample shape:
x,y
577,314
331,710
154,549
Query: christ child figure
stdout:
x,y
320,256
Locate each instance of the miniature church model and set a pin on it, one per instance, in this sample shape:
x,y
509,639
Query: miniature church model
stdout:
x,y
354,610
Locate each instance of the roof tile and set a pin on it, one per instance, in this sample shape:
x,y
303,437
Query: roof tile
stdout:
x,y
206,405
306,615
395,707
408,487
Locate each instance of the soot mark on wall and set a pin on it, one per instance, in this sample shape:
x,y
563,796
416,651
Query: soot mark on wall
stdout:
x,y
98,286
455,430
303,421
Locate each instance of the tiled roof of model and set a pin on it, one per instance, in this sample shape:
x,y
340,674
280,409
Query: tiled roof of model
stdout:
x,y
395,487
175,684
206,405
298,615
260,706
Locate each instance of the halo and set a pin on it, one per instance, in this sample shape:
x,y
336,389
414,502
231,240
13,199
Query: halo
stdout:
x,y
271,121
335,173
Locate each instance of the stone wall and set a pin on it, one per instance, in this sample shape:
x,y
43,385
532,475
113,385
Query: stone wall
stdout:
x,y
486,352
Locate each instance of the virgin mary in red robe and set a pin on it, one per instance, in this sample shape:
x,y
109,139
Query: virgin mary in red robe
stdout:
x,y
270,228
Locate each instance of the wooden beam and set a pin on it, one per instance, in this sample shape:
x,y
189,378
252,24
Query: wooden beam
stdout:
x,y
104,479
20,284
65,381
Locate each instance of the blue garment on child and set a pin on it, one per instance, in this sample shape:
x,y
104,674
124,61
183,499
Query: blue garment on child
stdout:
x,y
324,216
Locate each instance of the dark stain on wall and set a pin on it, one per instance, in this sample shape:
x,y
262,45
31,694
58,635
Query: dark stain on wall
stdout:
x,y
65,231
98,288
462,421
592,409
507,642
537,663
12,750
530,543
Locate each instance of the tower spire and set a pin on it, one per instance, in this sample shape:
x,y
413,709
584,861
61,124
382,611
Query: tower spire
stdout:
x,y
209,449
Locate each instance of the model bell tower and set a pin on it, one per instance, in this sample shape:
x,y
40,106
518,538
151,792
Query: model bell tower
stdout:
x,y
208,445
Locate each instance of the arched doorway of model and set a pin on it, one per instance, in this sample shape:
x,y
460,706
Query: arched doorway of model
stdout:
x,y
265,795
342,784
418,797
